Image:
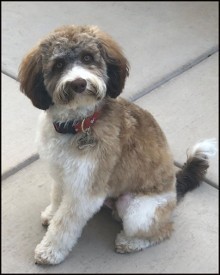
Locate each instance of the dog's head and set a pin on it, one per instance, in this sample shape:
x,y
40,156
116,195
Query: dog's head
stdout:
x,y
73,64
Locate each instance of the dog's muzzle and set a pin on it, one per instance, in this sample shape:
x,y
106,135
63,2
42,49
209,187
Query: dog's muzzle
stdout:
x,y
66,92
79,81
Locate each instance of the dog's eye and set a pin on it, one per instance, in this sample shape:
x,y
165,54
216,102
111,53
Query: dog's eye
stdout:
x,y
59,64
87,58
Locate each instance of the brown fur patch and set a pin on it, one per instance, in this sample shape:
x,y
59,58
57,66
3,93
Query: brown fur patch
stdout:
x,y
32,81
117,64
133,150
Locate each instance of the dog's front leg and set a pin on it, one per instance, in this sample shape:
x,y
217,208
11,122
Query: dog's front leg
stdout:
x,y
55,196
66,227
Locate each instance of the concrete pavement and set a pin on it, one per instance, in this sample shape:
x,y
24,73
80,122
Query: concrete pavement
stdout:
x,y
173,51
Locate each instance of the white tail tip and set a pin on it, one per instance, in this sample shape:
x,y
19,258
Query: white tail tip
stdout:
x,y
207,148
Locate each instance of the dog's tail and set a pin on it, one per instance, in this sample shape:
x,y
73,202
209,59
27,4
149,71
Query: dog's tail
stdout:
x,y
195,168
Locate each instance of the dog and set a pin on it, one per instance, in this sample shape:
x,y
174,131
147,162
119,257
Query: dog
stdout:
x,y
100,147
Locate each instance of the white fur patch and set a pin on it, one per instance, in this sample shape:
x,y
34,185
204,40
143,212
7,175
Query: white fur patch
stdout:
x,y
60,150
92,79
207,147
140,211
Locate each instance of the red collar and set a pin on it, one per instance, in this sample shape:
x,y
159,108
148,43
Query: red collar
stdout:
x,y
69,127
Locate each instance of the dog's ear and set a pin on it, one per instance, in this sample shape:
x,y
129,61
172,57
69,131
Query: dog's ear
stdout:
x,y
32,80
117,65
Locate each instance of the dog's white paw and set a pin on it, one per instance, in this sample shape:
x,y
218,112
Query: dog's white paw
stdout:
x,y
47,254
47,215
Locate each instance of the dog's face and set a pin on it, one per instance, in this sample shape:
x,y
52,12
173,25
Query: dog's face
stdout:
x,y
73,66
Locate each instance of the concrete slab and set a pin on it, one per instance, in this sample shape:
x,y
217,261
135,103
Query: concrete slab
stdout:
x,y
193,248
19,119
157,37
187,109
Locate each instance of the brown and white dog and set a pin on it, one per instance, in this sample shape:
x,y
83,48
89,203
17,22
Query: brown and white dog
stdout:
x,y
99,146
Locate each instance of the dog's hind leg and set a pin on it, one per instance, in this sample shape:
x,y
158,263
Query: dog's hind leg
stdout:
x,y
146,220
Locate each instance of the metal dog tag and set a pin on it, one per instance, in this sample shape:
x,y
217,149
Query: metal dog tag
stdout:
x,y
86,140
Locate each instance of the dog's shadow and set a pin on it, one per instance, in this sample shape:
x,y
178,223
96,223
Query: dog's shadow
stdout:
x,y
101,230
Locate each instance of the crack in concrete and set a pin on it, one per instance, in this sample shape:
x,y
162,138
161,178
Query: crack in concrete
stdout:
x,y
9,75
174,74
20,166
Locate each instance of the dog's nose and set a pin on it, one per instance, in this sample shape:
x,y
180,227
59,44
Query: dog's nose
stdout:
x,y
79,85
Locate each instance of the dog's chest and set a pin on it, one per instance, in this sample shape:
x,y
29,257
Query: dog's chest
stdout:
x,y
75,166
55,147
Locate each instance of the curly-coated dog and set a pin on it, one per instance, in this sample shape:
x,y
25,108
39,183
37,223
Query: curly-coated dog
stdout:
x,y
99,146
